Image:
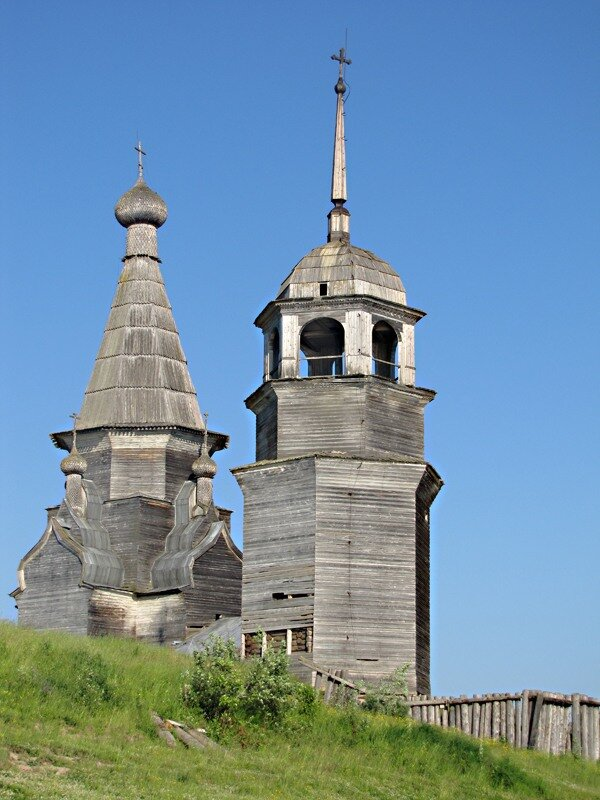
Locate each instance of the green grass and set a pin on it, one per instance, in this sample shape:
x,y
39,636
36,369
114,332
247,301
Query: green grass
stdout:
x,y
74,725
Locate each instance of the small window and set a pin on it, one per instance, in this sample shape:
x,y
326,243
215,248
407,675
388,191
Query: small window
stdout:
x,y
322,289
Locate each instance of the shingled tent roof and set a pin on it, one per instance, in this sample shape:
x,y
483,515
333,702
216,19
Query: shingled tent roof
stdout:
x,y
140,377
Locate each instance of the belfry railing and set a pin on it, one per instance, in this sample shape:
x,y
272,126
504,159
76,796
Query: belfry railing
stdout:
x,y
385,369
322,366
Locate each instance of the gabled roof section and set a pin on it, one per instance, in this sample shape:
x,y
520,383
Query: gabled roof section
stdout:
x,y
140,376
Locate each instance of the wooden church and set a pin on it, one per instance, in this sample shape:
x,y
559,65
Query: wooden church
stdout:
x,y
137,547
336,505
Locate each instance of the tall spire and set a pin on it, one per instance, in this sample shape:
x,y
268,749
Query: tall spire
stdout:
x,y
339,216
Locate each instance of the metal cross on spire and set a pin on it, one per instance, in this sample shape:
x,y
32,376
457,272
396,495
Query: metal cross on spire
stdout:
x,y
74,416
342,59
140,153
339,217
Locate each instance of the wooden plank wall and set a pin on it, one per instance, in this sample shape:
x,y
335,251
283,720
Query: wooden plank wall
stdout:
x,y
357,415
279,542
366,614
138,527
138,464
53,598
217,586
546,721
159,618
422,572
395,419
266,428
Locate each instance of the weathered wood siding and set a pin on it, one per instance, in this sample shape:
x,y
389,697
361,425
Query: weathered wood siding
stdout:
x,y
366,613
422,574
53,598
95,446
138,527
153,618
352,521
217,586
363,416
180,454
138,464
266,429
279,541
394,418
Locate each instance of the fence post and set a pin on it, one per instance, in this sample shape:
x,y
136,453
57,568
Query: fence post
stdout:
x,y
536,722
575,726
525,719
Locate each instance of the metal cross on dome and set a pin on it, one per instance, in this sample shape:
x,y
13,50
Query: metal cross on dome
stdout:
x,y
140,153
74,416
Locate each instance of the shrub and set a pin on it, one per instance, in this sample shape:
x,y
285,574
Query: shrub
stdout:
x,y
389,695
259,690
215,683
270,692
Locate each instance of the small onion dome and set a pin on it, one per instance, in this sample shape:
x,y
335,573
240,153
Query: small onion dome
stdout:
x,y
140,205
73,464
204,466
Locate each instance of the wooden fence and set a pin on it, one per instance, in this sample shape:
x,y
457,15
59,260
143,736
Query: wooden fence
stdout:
x,y
552,723
545,721
332,683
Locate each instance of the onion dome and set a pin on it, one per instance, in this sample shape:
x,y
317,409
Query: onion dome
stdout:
x,y
204,466
141,206
74,463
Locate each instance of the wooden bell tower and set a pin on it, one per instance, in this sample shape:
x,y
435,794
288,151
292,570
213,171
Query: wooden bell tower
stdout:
x,y
336,506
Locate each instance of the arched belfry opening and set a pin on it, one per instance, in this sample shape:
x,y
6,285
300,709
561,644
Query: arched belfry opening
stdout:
x,y
274,354
385,351
322,346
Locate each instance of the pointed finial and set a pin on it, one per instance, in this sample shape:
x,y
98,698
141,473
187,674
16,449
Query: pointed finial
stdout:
x,y
140,153
339,217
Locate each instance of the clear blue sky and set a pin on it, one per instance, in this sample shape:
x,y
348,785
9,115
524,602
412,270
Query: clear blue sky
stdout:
x,y
472,134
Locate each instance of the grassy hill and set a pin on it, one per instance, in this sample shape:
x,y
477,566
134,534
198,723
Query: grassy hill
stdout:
x,y
75,725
